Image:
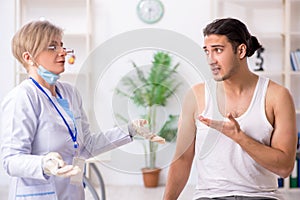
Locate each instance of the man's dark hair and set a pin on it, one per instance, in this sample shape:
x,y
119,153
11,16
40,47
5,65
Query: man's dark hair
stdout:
x,y
236,32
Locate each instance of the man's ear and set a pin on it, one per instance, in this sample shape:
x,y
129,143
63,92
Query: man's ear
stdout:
x,y
242,50
27,58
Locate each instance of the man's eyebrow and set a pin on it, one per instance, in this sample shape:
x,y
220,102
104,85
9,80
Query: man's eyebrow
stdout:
x,y
214,46
217,45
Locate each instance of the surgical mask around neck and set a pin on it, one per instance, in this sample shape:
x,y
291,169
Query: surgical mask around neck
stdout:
x,y
48,76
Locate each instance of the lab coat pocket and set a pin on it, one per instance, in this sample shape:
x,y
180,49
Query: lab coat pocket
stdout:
x,y
45,192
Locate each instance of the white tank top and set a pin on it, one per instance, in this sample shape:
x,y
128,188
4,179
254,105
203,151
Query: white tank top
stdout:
x,y
223,167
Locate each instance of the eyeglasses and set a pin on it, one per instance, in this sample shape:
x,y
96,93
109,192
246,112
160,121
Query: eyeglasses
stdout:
x,y
59,49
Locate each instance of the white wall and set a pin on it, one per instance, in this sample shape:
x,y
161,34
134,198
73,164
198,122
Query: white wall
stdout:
x,y
7,67
185,17
110,18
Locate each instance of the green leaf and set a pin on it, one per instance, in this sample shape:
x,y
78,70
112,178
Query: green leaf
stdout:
x,y
150,89
169,129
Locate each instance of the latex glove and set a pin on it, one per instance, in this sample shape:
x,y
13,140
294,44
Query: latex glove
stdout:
x,y
136,127
53,164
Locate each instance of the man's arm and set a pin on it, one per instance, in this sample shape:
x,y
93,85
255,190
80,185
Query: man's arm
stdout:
x,y
280,156
178,175
185,149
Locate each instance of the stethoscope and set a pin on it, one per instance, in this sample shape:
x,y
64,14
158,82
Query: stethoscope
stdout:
x,y
73,135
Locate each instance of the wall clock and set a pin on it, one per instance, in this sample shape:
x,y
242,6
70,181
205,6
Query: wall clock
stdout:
x,y
150,11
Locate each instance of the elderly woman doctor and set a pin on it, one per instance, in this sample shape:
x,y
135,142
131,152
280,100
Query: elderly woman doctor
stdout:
x,y
45,130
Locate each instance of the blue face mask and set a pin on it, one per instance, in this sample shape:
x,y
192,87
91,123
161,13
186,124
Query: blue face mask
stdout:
x,y
48,76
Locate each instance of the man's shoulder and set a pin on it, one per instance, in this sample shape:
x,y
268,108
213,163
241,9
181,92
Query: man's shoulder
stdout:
x,y
277,89
278,95
199,87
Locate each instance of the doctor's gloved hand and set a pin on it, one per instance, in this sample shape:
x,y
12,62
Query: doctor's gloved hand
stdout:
x,y
53,164
137,127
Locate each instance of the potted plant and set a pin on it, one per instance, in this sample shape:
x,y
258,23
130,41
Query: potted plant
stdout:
x,y
152,90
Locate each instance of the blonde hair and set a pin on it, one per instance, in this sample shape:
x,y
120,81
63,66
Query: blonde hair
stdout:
x,y
34,37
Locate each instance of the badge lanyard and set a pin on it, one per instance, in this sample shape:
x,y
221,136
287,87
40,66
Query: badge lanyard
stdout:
x,y
73,136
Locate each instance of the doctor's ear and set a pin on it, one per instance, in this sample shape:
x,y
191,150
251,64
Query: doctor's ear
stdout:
x,y
27,58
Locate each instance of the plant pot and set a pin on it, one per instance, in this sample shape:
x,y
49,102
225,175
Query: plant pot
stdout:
x,y
151,177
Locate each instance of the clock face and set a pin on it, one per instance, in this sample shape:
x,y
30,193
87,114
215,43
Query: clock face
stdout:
x,y
150,11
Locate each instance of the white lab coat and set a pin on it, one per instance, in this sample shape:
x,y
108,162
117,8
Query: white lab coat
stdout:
x,y
31,128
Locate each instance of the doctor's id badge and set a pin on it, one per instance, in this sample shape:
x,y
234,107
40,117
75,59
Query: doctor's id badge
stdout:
x,y
78,178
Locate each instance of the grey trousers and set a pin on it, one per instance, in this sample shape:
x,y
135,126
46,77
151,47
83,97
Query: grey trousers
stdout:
x,y
237,198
